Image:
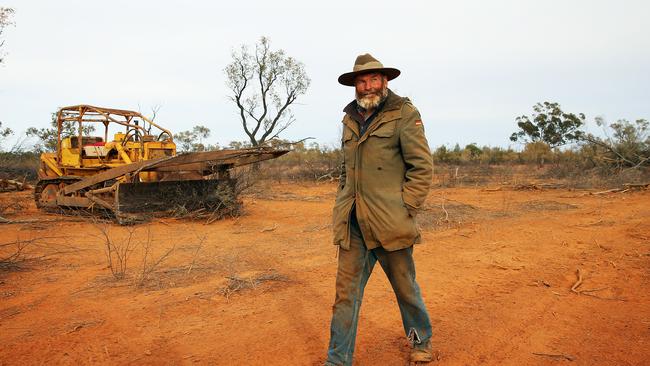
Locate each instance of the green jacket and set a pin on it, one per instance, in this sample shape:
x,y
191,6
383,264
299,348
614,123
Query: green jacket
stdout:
x,y
386,174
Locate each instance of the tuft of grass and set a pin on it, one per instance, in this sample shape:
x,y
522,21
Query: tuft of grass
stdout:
x,y
237,284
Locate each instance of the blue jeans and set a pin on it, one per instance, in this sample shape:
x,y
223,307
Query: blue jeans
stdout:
x,y
354,269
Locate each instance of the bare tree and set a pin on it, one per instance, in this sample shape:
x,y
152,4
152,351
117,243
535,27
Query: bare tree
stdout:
x,y
264,84
5,15
154,113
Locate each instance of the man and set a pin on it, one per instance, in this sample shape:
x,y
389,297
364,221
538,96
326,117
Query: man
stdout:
x,y
386,175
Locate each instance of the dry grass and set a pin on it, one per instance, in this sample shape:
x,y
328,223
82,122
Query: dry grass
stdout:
x,y
20,253
237,284
12,203
12,255
568,175
541,205
444,213
120,247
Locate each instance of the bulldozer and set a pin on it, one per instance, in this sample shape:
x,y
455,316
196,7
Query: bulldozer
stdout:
x,y
134,168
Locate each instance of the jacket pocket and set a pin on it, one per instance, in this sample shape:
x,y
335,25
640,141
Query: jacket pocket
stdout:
x,y
385,130
390,220
341,220
382,145
349,148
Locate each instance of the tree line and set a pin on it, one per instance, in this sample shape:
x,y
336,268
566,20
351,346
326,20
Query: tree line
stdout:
x,y
622,145
549,135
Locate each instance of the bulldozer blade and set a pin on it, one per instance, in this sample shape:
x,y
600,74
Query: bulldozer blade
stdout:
x,y
187,195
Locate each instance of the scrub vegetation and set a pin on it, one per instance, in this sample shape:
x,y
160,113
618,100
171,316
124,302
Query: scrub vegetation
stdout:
x,y
620,154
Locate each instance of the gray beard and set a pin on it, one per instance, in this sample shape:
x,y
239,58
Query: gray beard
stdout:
x,y
370,102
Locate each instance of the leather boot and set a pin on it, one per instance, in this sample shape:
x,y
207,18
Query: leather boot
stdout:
x,y
422,352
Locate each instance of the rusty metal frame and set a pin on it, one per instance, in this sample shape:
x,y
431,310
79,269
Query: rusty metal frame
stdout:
x,y
85,113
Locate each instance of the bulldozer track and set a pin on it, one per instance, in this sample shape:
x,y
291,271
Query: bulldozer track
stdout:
x,y
42,183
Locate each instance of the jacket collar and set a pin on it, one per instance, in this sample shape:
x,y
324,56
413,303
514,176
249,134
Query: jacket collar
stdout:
x,y
391,108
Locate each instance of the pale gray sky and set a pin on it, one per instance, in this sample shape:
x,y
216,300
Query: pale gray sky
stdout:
x,y
470,67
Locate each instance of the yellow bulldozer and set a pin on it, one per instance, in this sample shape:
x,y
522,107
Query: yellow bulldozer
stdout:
x,y
133,168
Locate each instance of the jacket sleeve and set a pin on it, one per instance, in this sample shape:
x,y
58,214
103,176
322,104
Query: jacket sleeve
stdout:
x,y
417,157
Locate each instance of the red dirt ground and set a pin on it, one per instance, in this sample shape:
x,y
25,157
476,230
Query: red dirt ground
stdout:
x,y
496,269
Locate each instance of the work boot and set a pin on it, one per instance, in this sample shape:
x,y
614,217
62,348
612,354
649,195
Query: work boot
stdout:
x,y
422,352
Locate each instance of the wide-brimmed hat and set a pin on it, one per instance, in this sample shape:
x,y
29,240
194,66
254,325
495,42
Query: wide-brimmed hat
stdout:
x,y
364,64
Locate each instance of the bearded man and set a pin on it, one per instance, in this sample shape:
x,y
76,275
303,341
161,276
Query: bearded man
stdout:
x,y
386,175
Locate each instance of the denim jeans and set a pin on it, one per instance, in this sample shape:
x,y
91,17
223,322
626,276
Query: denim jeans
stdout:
x,y
354,268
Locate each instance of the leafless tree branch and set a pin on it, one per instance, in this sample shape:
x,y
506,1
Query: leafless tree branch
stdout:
x,y
265,113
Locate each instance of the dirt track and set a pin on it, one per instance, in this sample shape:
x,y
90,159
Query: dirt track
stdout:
x,y
496,269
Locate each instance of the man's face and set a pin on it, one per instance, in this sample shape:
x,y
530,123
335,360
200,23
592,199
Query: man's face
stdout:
x,y
370,89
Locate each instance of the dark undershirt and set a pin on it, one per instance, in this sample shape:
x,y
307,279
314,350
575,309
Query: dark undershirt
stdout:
x,y
363,126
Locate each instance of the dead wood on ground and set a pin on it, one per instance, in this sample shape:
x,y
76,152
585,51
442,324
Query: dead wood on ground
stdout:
x,y
626,188
10,185
236,283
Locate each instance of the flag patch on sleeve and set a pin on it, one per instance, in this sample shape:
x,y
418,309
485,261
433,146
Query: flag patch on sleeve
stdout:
x,y
418,122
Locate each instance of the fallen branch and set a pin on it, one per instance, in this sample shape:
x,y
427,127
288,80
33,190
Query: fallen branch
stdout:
x,y
236,283
637,185
610,148
315,228
497,265
538,186
575,286
492,189
275,226
613,190
602,298
575,290
522,187
330,177
626,188
641,162
84,324
8,185
32,221
585,292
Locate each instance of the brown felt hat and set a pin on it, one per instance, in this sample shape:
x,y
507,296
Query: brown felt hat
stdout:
x,y
365,64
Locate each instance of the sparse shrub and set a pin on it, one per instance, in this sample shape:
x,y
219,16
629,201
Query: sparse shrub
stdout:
x,y
12,254
119,250
149,263
19,165
625,145
312,163
12,205
537,153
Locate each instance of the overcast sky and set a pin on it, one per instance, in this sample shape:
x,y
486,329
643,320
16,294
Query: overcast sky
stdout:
x,y
470,67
